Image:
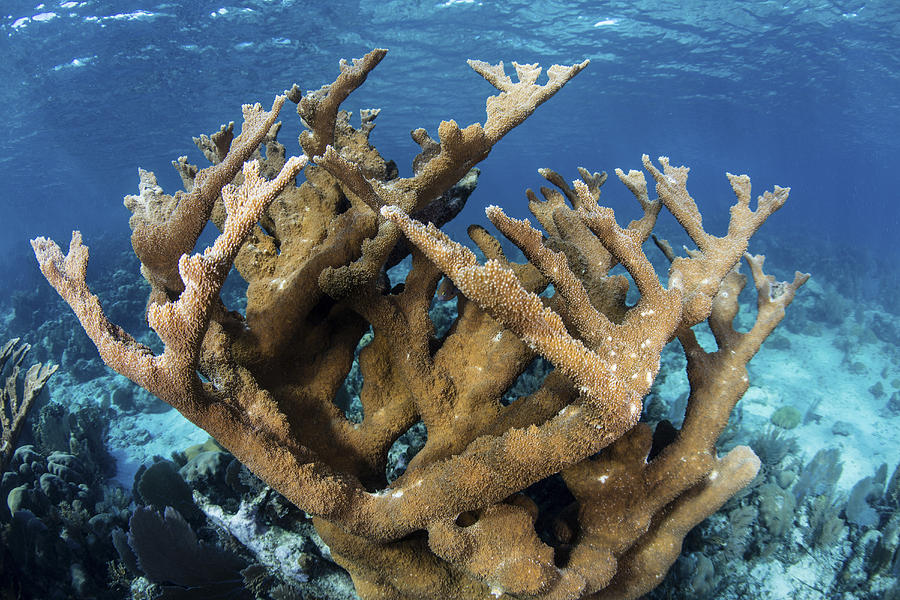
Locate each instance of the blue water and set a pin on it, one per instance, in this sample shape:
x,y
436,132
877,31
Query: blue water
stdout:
x,y
798,93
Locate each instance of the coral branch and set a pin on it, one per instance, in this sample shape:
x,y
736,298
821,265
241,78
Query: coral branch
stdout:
x,y
319,109
164,228
179,324
13,407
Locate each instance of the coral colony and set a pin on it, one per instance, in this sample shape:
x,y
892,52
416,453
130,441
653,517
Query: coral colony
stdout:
x,y
456,523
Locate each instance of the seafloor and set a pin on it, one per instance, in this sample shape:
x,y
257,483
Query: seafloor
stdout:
x,y
820,521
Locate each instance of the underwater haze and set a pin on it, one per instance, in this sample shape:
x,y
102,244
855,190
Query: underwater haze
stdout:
x,y
794,93
800,94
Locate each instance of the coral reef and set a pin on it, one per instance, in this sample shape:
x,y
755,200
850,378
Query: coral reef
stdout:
x,y
58,513
14,405
461,521
791,520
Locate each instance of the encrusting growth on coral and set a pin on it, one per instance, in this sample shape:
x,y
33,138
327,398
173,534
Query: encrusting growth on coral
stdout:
x,y
456,523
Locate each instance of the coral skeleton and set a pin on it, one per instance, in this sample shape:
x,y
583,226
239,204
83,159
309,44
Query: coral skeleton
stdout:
x,y
456,523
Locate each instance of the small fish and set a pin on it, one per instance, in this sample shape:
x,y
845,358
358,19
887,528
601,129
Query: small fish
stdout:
x,y
447,290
